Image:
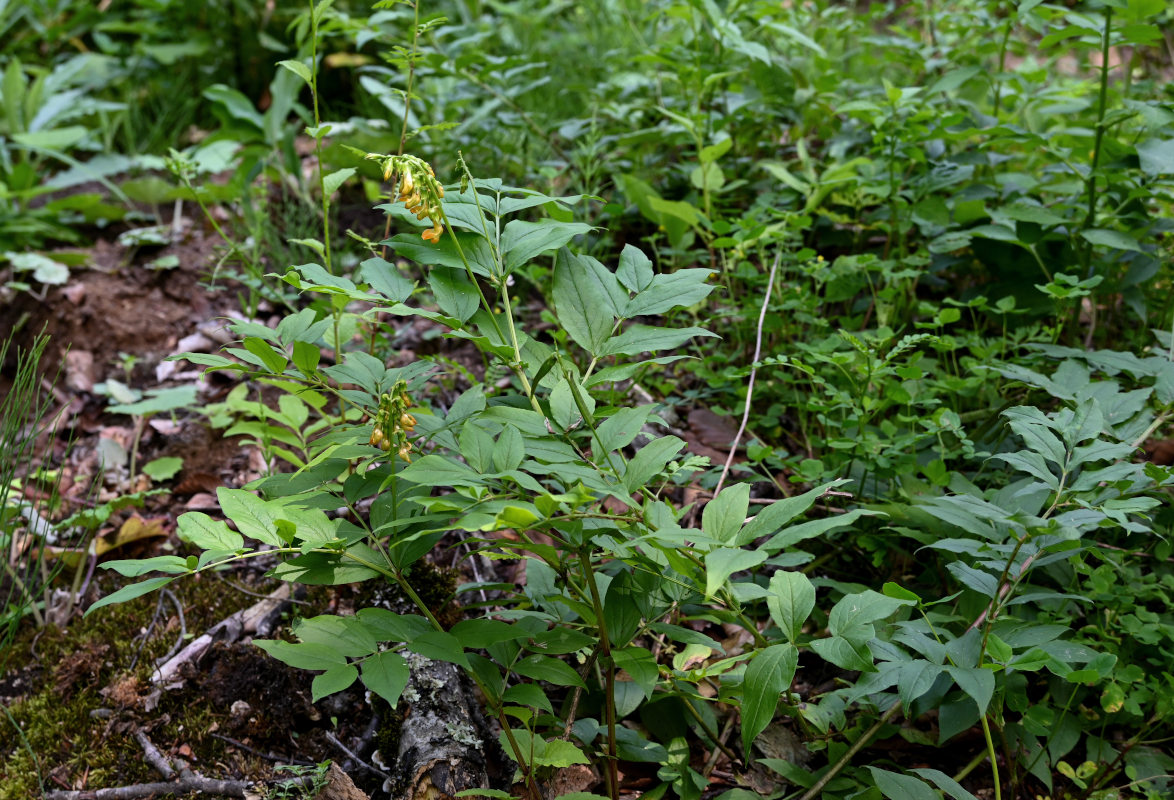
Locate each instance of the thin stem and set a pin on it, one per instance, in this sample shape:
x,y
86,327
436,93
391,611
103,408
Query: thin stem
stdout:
x,y
1098,138
990,749
318,151
856,747
403,132
609,671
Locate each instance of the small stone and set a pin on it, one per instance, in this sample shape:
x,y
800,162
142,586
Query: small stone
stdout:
x,y
196,343
79,370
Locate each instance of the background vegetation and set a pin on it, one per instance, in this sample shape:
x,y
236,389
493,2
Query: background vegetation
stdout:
x,y
920,251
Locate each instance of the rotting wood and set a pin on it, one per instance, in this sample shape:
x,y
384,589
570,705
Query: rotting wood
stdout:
x,y
444,738
339,786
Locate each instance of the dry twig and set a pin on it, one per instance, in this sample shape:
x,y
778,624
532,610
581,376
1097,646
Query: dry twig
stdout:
x,y
770,283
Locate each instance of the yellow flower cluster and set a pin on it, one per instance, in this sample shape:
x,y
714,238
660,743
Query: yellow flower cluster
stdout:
x,y
418,189
393,423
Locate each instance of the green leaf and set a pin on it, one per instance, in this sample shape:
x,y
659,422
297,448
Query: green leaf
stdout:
x,y
509,450
476,446
551,670
530,695
682,288
977,683
635,269
386,674
648,339
1027,212
767,677
1115,240
853,616
769,520
210,360
332,681
54,139
651,461
844,653
158,401
713,152
236,104
725,514
44,269
810,529
254,517
304,655
439,646
386,279
891,589
444,253
298,68
621,611
477,634
522,241
131,592
915,678
541,753
945,783
13,90
274,360
982,582
621,428
207,533
161,469
434,470
560,753
723,562
896,786
454,293
582,300
953,79
331,182
641,665
133,568
791,600
347,635
1157,157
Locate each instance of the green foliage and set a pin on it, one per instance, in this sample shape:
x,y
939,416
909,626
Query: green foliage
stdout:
x,y
942,512
27,577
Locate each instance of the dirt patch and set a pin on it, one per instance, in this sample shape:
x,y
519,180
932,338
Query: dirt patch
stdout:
x,y
122,304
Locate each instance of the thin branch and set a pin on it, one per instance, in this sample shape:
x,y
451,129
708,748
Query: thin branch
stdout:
x,y
753,373
334,740
156,759
190,784
856,747
261,754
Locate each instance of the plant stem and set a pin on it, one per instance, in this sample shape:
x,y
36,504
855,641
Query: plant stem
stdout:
x,y
990,749
856,747
318,153
403,132
609,671
1098,138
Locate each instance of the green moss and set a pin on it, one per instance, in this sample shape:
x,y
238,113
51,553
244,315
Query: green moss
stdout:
x,y
59,741
391,722
436,587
